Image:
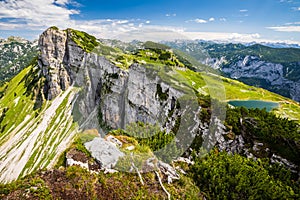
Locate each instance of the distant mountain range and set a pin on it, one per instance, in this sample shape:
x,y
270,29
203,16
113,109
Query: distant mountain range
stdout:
x,y
275,69
15,54
275,45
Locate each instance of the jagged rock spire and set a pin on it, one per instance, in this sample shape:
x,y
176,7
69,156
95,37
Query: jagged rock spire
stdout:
x,y
53,50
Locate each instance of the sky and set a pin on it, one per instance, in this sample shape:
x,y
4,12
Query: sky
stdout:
x,y
224,20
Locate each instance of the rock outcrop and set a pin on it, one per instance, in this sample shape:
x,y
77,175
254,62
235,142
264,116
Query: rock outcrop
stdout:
x,y
106,153
52,45
74,157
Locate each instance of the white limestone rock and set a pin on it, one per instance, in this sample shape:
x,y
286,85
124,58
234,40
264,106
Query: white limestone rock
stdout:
x,y
106,153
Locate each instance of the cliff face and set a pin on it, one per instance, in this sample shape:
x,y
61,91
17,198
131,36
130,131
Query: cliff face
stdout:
x,y
52,45
254,71
121,96
271,76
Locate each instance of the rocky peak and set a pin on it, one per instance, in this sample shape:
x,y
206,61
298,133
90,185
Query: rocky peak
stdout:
x,y
16,39
53,48
52,44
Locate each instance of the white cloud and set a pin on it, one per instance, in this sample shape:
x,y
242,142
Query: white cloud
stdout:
x,y
202,21
244,10
171,15
142,24
162,33
285,28
151,32
223,36
37,14
107,28
144,32
11,26
41,14
199,21
286,1
293,23
223,19
67,2
121,21
159,33
296,8
61,2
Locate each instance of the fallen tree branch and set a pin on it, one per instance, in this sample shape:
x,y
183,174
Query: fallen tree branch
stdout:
x,y
137,170
161,184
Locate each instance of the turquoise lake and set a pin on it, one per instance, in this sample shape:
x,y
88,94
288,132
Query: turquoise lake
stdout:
x,y
255,104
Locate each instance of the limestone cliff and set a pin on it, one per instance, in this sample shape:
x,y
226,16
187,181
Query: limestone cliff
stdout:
x,y
52,45
124,96
272,76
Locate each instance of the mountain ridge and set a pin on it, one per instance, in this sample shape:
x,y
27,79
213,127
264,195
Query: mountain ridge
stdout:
x,y
274,69
15,53
78,84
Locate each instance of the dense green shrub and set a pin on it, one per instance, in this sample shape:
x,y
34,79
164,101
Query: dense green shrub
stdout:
x,y
224,176
281,135
84,40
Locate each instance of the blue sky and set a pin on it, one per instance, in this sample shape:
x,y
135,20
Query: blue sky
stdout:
x,y
230,20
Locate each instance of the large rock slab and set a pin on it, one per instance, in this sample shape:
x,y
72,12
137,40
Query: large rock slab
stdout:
x,y
106,153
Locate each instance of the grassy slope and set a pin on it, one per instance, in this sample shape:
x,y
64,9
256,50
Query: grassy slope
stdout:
x,y
265,53
84,40
235,90
31,138
77,183
207,83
